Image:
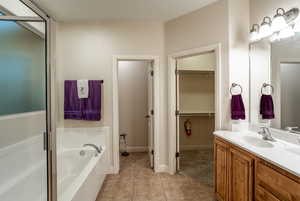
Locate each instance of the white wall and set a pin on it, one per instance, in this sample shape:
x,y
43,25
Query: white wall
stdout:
x,y
85,51
133,102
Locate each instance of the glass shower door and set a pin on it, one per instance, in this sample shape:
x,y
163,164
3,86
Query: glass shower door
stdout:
x,y
23,114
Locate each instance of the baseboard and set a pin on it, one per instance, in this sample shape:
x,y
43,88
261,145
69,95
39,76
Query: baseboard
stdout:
x,y
195,147
162,168
132,149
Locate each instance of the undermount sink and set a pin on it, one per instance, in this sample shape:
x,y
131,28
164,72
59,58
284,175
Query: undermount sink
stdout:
x,y
257,142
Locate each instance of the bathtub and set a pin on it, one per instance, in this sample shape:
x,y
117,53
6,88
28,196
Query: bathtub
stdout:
x,y
80,176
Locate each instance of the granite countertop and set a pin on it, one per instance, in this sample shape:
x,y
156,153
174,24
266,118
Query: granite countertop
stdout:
x,y
280,153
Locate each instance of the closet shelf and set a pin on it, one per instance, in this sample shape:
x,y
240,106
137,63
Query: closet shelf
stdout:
x,y
198,72
197,114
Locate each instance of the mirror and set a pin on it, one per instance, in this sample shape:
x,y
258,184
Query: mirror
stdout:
x,y
278,64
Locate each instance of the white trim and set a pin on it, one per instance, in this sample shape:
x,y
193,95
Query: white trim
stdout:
x,y
172,95
21,115
162,168
132,149
115,105
195,147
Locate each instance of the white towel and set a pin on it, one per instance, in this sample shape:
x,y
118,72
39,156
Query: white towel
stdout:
x,y
83,88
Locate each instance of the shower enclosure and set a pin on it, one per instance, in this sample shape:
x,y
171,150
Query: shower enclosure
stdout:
x,y
25,112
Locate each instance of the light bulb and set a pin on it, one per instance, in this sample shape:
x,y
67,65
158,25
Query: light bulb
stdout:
x,y
254,34
286,33
265,29
279,21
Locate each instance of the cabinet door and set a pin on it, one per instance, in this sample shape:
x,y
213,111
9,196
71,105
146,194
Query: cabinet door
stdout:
x,y
221,185
240,176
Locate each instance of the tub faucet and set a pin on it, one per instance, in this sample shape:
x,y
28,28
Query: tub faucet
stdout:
x,y
98,149
266,133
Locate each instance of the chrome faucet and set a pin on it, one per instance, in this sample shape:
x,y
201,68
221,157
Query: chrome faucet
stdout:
x,y
98,149
266,133
292,129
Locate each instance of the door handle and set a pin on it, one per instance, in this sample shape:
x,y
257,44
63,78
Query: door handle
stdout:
x,y
147,116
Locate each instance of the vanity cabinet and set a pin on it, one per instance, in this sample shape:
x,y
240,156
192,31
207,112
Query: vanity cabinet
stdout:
x,y
242,176
221,182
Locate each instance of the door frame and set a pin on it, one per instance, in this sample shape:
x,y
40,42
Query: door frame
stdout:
x,y
50,88
115,106
217,48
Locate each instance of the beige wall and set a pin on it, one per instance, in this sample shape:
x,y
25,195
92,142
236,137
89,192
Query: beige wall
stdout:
x,y
202,129
85,51
206,26
203,62
225,22
133,102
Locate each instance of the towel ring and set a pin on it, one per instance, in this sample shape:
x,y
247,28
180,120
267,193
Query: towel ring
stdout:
x,y
235,85
265,85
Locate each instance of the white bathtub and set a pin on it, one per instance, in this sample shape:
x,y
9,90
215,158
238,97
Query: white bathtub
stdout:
x,y
23,171
80,177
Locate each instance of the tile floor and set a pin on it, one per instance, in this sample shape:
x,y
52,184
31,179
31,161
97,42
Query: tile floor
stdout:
x,y
198,164
137,182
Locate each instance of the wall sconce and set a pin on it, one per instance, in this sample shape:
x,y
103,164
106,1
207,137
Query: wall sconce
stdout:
x,y
279,21
265,28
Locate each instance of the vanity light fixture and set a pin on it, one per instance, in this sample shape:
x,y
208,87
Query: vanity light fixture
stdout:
x,y
275,37
297,27
279,21
254,33
265,28
286,33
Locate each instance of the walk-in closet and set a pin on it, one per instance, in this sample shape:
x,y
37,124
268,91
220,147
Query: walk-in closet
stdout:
x,y
196,115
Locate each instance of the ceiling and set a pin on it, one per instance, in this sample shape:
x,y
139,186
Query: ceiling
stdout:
x,y
163,10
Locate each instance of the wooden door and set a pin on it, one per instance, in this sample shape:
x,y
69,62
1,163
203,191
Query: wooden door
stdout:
x,y
221,183
240,167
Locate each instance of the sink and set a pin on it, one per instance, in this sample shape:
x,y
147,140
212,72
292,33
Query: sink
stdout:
x,y
294,150
257,142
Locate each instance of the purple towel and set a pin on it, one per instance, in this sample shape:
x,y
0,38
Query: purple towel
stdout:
x,y
85,108
72,105
237,107
91,107
267,107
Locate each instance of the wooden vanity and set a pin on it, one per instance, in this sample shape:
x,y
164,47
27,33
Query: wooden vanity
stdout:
x,y
242,176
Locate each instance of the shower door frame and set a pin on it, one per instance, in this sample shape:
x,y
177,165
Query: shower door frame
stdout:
x,y
50,106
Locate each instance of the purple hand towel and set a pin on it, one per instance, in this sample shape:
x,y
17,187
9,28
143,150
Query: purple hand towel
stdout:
x,y
72,104
91,107
267,107
237,108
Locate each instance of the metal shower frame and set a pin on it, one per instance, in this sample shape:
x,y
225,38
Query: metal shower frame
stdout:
x,y
50,111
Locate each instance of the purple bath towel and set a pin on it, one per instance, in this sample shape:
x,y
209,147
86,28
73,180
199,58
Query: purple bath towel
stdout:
x,y
85,108
237,108
91,107
72,105
267,107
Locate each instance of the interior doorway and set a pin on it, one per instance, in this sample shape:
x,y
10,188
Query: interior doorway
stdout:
x,y
195,115
136,108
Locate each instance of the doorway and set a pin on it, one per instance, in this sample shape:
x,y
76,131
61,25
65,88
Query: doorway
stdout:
x,y
136,109
195,116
